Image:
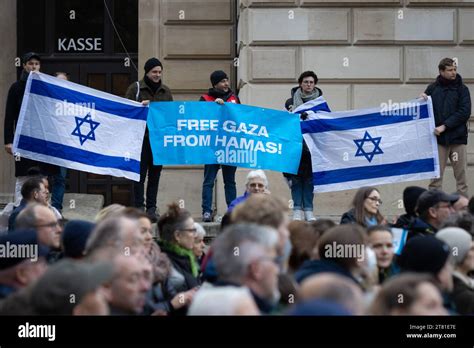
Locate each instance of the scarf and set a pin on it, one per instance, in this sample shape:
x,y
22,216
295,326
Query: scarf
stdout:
x,y
299,98
153,85
446,82
178,250
217,93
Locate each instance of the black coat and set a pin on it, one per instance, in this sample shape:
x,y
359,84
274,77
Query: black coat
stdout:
x,y
313,267
463,297
404,221
305,169
183,266
348,217
12,112
225,96
420,227
452,107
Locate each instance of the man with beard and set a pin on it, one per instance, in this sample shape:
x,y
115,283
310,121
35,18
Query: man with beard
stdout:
x,y
219,93
147,90
452,109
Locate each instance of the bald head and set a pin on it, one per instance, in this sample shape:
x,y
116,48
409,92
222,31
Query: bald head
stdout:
x,y
335,288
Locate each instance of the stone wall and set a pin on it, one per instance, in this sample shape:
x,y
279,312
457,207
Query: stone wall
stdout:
x,y
192,39
7,77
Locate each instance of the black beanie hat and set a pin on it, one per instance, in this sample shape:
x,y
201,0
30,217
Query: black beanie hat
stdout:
x,y
30,55
151,63
217,76
424,254
410,197
75,235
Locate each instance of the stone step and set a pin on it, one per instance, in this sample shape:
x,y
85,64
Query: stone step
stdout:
x,y
82,206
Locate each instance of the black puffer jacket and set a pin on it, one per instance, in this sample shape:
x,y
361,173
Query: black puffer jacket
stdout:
x,y
452,107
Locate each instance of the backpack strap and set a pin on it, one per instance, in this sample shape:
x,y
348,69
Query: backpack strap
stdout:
x,y
138,90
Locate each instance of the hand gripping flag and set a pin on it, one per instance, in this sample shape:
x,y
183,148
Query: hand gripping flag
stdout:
x,y
80,128
368,147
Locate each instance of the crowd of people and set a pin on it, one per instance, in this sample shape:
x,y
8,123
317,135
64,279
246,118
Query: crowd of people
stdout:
x,y
268,259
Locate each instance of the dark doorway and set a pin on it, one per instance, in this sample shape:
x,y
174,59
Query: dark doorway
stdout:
x,y
79,38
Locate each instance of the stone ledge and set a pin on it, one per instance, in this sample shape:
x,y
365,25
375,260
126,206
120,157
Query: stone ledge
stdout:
x,y
82,206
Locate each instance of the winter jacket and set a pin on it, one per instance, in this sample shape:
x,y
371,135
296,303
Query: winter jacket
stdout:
x,y
404,221
159,298
237,201
452,107
12,112
463,294
348,217
420,227
181,277
313,267
213,94
305,169
163,93
14,214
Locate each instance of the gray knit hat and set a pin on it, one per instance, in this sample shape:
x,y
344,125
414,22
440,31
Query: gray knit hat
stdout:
x,y
459,242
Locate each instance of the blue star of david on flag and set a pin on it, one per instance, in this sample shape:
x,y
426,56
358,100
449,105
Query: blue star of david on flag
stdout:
x,y
79,123
360,146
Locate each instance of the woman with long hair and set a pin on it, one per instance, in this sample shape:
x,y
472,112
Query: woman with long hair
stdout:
x,y
365,208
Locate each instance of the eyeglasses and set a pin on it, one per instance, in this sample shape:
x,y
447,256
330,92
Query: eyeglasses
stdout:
x,y
50,225
375,199
439,206
254,185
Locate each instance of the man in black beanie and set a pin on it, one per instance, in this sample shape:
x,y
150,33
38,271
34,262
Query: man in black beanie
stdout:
x,y
147,90
219,93
427,254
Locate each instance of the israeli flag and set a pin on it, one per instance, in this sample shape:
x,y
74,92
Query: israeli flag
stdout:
x,y
399,239
80,128
316,105
368,147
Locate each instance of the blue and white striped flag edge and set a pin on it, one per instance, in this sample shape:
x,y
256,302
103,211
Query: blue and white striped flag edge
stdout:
x,y
316,105
333,150
48,128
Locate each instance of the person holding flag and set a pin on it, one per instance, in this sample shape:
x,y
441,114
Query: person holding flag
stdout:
x,y
301,185
31,62
219,93
150,88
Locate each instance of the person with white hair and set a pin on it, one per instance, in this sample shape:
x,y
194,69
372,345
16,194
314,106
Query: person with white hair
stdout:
x,y
223,300
256,182
245,255
462,250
